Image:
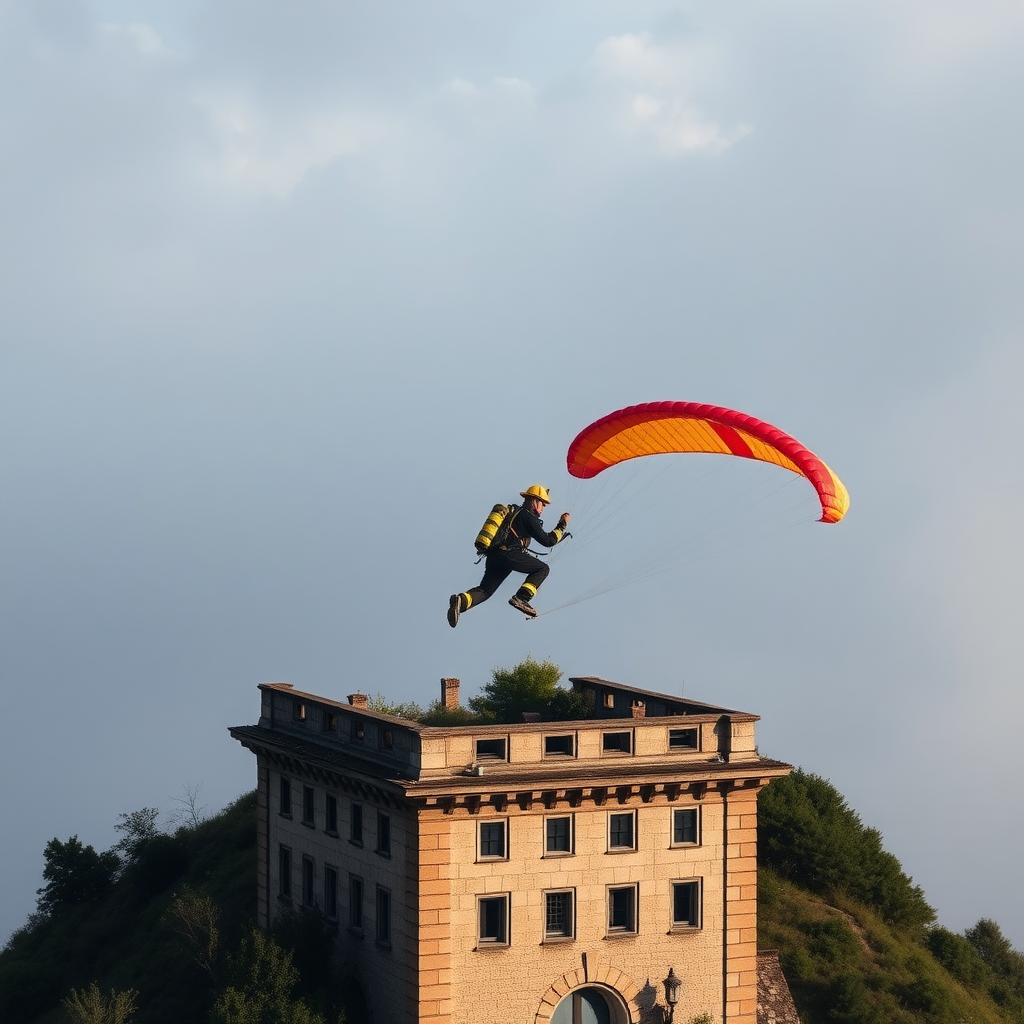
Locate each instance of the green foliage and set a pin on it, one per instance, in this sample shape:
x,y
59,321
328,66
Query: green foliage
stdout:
x,y
438,714
195,918
263,978
90,1006
807,833
568,706
399,709
529,687
137,829
74,873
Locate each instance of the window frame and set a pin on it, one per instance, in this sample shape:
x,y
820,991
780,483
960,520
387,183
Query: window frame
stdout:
x,y
355,823
284,797
355,903
678,733
382,916
491,748
284,872
498,825
614,930
570,742
501,937
614,847
694,920
568,933
617,749
308,881
383,843
331,814
675,843
330,893
309,806
571,836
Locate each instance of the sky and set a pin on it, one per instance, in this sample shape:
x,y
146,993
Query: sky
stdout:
x,y
293,294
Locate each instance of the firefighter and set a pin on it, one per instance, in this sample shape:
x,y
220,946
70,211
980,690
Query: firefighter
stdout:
x,y
509,553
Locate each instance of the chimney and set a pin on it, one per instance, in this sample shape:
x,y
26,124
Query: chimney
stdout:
x,y
450,694
639,709
358,700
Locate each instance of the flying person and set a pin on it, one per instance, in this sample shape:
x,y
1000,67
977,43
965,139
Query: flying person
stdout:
x,y
508,553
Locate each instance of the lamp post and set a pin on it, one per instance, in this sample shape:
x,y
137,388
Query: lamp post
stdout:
x,y
672,986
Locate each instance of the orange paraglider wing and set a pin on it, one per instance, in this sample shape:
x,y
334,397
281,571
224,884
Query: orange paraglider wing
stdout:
x,y
658,428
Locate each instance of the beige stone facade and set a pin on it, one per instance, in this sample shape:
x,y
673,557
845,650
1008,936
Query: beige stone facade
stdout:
x,y
542,872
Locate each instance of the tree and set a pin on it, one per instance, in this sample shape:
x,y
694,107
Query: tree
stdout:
x,y
90,1006
529,686
74,873
263,977
195,918
138,829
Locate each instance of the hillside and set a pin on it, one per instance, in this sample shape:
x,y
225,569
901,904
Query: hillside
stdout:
x,y
855,935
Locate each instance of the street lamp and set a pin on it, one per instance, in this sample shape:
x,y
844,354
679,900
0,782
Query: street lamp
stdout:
x,y
672,986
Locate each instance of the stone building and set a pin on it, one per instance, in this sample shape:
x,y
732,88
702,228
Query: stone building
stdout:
x,y
535,873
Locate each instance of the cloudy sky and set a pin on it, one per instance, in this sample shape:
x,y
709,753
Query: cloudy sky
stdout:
x,y
293,293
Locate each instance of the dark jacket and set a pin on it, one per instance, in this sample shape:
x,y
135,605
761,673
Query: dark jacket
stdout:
x,y
526,525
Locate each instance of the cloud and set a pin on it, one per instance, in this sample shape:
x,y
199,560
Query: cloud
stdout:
x,y
659,81
142,38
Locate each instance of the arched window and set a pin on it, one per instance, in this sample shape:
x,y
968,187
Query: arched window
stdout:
x,y
584,1006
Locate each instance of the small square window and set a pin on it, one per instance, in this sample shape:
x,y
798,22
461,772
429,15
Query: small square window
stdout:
x,y
622,830
685,826
284,806
355,825
558,835
355,902
609,700
490,750
617,742
682,739
686,904
383,834
383,932
560,746
308,806
622,903
308,879
493,837
331,815
493,920
299,711
558,916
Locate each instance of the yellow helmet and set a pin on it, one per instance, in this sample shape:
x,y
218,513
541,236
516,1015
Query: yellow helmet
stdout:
x,y
536,491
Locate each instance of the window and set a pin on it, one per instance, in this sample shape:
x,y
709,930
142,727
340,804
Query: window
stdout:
x,y
558,835
492,840
622,910
355,825
493,915
622,831
330,722
685,826
617,742
356,731
330,893
308,807
383,916
686,904
682,739
558,921
284,805
559,746
383,834
609,700
299,711
284,872
355,902
308,898
490,750
331,816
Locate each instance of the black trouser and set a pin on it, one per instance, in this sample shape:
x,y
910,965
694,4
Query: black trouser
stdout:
x,y
500,565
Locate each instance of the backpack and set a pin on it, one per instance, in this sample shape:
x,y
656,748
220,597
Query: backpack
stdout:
x,y
495,528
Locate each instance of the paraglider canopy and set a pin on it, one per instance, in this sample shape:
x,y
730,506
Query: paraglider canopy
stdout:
x,y
658,428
